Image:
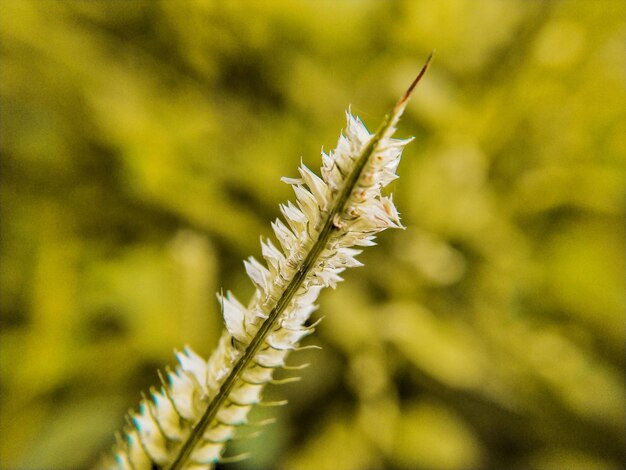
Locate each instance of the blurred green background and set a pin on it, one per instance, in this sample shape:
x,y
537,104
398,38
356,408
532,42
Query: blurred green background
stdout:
x,y
141,149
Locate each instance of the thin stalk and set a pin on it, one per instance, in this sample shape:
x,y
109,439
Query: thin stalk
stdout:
x,y
327,230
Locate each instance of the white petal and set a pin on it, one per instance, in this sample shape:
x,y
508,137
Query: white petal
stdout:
x,y
257,374
166,414
344,157
284,236
233,414
286,339
183,392
207,453
382,214
307,204
286,179
259,274
329,277
272,255
356,131
387,176
192,363
330,172
270,358
219,433
316,185
345,257
122,461
220,362
246,394
307,296
136,454
299,314
391,211
294,216
234,314
151,436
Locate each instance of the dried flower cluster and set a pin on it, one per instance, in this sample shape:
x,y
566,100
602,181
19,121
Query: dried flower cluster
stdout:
x,y
187,422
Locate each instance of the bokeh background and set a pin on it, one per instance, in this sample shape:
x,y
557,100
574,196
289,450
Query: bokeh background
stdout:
x,y
141,149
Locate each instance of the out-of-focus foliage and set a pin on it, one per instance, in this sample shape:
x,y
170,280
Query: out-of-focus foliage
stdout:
x,y
141,149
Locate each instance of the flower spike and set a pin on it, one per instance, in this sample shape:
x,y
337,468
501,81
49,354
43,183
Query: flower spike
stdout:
x,y
187,424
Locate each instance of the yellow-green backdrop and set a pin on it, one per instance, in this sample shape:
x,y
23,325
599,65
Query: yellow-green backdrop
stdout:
x,y
142,144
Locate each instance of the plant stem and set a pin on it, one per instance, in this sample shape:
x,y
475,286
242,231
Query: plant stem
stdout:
x,y
296,282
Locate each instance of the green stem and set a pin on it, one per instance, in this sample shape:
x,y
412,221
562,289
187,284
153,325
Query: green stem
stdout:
x,y
244,361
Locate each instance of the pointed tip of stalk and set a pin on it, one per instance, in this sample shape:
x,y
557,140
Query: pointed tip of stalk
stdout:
x,y
407,94
389,125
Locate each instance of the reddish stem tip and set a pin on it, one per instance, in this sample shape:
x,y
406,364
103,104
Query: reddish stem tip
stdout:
x,y
407,94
